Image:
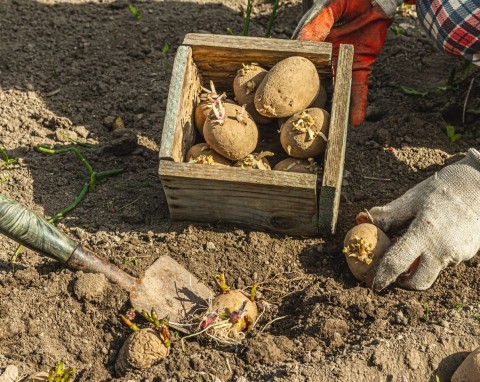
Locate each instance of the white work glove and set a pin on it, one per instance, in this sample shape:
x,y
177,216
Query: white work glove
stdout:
x,y
445,229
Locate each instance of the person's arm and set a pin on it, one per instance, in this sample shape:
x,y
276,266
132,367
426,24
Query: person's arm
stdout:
x,y
362,23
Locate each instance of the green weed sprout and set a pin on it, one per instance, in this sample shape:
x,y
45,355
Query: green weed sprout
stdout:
x,y
59,374
135,12
451,134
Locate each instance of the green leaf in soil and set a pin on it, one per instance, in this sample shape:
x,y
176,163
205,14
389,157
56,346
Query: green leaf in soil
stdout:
x,y
413,91
451,134
135,12
165,48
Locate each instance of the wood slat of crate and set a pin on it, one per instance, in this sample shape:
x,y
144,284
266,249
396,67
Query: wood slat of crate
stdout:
x,y
273,200
329,201
219,57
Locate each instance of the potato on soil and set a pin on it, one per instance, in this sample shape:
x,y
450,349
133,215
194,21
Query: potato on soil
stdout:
x,y
298,165
245,84
202,154
469,370
364,246
233,301
289,87
255,161
305,134
140,351
231,131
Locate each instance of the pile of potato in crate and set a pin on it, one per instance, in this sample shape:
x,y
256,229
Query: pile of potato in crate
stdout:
x,y
276,116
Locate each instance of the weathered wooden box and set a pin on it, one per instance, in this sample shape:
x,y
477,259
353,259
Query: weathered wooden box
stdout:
x,y
291,203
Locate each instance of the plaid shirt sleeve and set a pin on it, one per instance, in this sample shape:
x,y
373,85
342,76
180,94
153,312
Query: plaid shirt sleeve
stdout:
x,y
454,24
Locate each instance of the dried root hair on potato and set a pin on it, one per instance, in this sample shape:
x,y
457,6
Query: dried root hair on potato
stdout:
x,y
290,86
201,153
309,166
305,134
231,131
255,161
364,246
245,84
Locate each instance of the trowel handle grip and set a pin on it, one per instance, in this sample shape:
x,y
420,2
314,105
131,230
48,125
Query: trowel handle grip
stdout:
x,y
29,229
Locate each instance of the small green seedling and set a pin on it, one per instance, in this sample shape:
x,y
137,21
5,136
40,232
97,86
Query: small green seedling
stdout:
x,y
165,48
5,164
451,134
398,30
230,32
426,309
135,12
59,374
460,306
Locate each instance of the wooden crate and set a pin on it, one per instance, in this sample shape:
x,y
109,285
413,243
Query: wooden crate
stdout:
x,y
289,203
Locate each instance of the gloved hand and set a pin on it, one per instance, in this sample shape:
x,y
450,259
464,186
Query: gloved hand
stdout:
x,y
361,23
445,229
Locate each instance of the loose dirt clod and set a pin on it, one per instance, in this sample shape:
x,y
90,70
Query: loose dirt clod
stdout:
x,y
90,286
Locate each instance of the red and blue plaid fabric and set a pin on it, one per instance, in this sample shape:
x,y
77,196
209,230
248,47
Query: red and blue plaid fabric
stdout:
x,y
454,24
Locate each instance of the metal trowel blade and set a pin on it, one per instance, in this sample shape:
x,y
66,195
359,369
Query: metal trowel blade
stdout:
x,y
172,291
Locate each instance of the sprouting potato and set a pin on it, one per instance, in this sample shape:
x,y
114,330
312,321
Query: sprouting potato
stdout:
x,y
202,154
298,165
305,134
209,97
230,131
364,246
230,314
289,87
255,161
245,84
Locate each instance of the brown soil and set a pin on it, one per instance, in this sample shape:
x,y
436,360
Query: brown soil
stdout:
x,y
74,65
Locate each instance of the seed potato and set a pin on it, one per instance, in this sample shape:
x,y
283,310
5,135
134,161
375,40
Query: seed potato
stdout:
x,y
304,135
227,303
245,84
231,131
298,165
364,246
255,161
289,87
202,154
469,369
140,351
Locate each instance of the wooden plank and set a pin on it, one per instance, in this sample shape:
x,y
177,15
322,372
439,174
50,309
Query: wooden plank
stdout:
x,y
225,54
178,128
335,154
268,200
306,5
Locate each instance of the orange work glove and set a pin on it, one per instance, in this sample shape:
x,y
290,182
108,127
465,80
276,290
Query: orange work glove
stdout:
x,y
361,23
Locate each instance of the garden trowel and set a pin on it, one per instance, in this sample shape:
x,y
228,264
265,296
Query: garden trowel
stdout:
x,y
166,286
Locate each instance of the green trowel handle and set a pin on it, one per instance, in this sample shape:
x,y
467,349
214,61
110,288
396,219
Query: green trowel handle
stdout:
x,y
30,230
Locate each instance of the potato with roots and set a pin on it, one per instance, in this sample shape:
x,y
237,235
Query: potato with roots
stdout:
x,y
255,161
202,154
290,86
230,131
298,165
305,134
245,84
364,246
230,315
